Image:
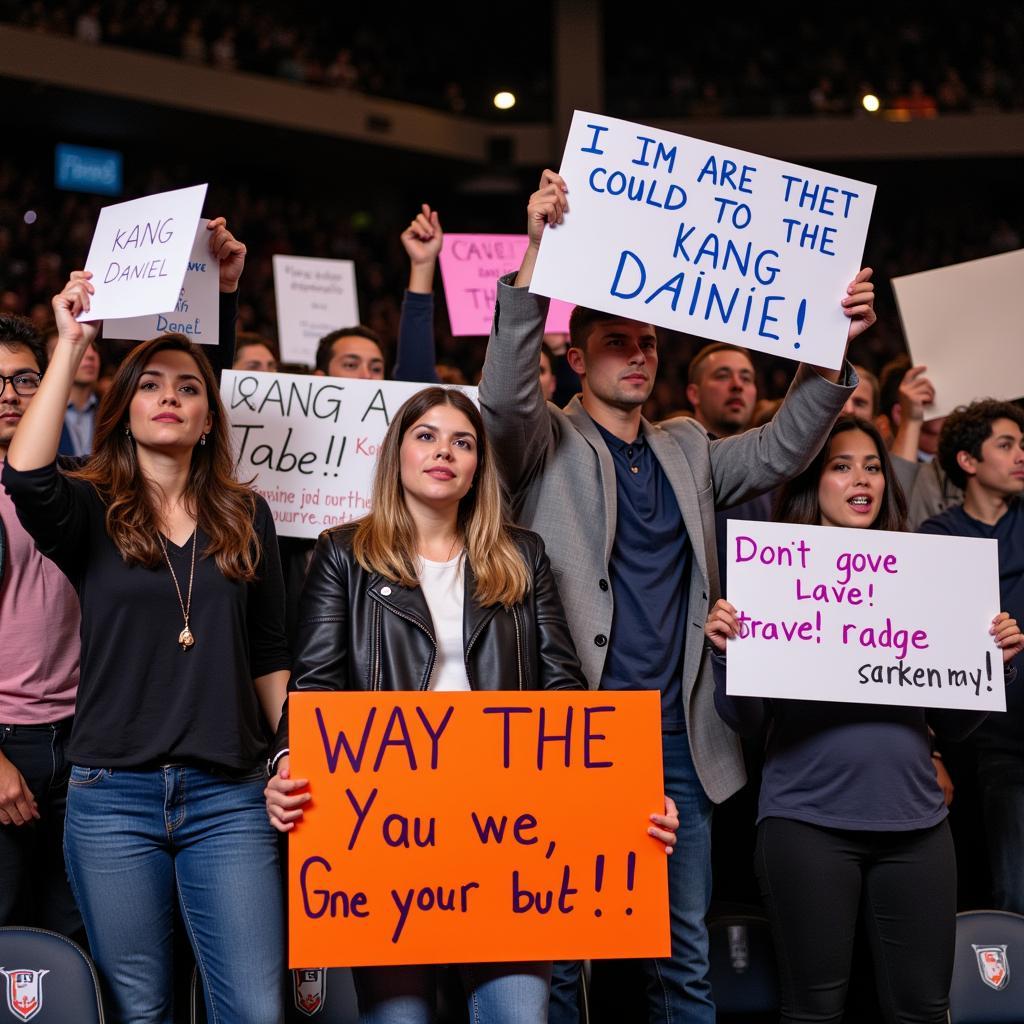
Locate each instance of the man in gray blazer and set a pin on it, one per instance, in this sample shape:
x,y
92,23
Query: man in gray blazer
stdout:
x,y
627,511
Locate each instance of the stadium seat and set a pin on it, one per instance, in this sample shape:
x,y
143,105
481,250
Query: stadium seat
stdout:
x,y
743,973
320,995
988,971
47,979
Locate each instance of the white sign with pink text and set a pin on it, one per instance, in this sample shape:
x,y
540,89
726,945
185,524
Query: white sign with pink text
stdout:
x,y
861,616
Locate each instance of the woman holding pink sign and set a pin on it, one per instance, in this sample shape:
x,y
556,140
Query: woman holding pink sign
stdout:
x,y
851,817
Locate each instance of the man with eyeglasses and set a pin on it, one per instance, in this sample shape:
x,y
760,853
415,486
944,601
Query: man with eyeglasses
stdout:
x,y
39,649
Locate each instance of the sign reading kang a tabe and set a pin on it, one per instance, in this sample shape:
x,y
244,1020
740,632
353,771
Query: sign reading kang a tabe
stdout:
x,y
836,614
706,239
311,442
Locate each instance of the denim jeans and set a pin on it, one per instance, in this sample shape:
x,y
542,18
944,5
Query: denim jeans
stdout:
x,y
678,989
495,993
136,842
33,883
1001,780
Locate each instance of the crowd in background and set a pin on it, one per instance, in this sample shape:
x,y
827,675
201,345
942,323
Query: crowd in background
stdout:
x,y
44,233
919,64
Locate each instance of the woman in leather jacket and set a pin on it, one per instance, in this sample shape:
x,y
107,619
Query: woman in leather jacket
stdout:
x,y
433,590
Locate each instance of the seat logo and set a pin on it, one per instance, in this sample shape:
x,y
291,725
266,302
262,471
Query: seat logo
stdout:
x,y
993,965
24,992
310,989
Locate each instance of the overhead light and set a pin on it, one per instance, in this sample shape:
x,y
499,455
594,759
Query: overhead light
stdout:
x,y
870,103
504,100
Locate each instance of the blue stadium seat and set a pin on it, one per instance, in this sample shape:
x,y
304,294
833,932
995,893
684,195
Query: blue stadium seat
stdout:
x,y
988,971
47,979
743,973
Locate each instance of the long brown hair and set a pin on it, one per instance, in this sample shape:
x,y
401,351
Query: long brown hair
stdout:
x,y
798,499
385,540
223,507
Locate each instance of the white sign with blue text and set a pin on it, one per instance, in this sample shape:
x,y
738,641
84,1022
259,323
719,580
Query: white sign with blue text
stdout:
x,y
706,239
140,252
854,615
196,312
311,443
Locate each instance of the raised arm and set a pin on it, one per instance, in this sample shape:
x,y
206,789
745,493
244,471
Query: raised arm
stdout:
x,y
915,393
416,357
517,418
229,253
37,438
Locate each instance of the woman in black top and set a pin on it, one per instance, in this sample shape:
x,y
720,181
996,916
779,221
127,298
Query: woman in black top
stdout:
x,y
851,821
184,666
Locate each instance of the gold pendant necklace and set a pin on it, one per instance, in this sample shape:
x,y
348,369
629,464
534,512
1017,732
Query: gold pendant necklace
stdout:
x,y
185,637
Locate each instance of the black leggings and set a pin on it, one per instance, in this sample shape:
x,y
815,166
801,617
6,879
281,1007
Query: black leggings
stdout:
x,y
816,880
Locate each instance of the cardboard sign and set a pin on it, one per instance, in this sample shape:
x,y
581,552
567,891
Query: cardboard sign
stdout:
x,y
311,442
314,297
855,615
706,239
195,314
476,827
962,322
140,252
470,268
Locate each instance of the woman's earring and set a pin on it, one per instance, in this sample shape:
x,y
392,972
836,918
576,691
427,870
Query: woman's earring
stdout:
x,y
127,430
202,439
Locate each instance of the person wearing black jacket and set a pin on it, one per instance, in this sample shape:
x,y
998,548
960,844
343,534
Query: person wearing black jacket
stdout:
x,y
433,590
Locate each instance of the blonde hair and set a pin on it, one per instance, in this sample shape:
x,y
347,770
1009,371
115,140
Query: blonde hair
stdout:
x,y
385,540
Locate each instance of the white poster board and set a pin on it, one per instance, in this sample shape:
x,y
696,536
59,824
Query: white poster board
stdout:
x,y
314,297
197,311
140,252
311,442
962,322
706,239
864,616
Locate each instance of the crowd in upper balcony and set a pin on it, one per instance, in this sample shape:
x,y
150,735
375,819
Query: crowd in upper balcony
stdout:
x,y
682,62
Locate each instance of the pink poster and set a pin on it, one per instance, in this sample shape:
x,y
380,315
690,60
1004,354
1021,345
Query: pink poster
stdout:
x,y
470,268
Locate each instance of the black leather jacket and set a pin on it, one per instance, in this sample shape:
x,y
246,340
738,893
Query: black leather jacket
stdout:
x,y
360,631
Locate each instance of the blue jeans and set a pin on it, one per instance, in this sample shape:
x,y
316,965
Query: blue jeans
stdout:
x,y
136,842
678,989
1001,780
495,993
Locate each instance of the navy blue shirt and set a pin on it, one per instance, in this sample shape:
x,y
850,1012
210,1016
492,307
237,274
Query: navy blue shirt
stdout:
x,y
650,578
847,766
1001,732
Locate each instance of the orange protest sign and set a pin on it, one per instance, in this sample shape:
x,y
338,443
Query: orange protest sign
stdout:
x,y
476,827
